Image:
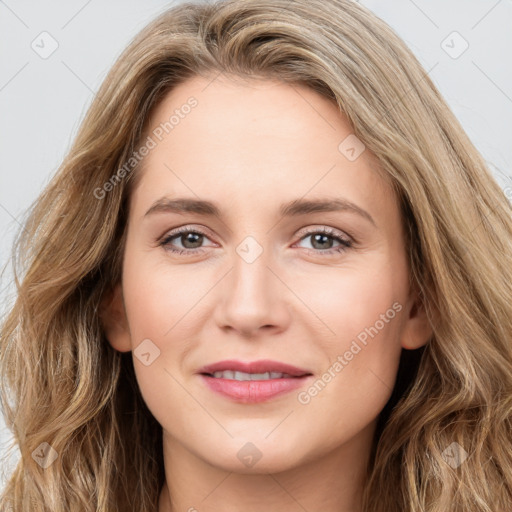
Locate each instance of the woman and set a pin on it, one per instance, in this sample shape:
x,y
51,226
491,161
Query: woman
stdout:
x,y
249,371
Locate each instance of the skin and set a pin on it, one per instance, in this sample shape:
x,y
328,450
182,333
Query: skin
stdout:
x,y
251,146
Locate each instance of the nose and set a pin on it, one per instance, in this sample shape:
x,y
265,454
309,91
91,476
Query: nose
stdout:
x,y
253,299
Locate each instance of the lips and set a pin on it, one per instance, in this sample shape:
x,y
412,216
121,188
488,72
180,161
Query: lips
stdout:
x,y
258,367
253,382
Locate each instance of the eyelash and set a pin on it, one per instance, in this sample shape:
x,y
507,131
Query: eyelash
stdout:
x,y
345,243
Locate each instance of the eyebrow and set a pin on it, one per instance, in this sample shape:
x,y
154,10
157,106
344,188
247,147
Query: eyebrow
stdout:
x,y
293,208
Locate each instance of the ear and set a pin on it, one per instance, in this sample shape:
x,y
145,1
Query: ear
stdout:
x,y
417,329
114,321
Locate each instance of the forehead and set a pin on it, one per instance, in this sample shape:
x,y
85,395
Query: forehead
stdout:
x,y
253,140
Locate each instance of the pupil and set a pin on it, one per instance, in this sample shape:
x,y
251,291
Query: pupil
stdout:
x,y
321,239
193,238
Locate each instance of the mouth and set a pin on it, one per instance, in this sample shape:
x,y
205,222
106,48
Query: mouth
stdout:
x,y
242,376
252,382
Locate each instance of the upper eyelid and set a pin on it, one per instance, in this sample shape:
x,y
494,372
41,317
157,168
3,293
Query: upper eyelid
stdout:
x,y
185,229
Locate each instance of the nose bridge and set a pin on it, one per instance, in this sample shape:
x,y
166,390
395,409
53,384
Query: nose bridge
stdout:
x,y
252,296
251,276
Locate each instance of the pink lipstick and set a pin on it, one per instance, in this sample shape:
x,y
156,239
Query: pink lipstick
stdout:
x,y
253,382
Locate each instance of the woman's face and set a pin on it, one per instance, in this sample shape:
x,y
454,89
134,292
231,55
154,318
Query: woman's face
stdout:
x,y
260,169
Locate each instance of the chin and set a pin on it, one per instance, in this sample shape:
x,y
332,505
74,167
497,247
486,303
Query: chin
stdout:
x,y
259,457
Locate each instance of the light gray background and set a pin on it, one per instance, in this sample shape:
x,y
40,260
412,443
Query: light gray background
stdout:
x,y
43,100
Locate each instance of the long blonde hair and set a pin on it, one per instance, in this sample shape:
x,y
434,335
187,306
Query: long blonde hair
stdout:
x,y
64,385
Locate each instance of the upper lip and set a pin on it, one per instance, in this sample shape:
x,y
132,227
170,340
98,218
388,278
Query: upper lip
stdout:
x,y
261,366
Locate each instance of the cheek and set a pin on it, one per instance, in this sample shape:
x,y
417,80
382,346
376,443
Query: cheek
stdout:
x,y
161,298
353,388
351,300
165,306
361,312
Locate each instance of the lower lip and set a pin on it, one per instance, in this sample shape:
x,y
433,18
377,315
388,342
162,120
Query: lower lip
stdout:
x,y
253,391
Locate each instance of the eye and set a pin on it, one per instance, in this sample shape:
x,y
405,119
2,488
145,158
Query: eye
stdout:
x,y
322,238
190,240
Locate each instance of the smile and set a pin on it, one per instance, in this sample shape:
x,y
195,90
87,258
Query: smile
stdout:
x,y
234,375
253,382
